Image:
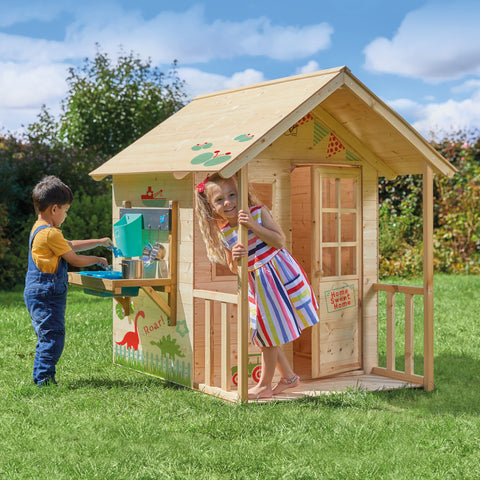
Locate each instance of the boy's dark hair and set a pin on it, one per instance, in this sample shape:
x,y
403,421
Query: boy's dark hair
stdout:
x,y
51,191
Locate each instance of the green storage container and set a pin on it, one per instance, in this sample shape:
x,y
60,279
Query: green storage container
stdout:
x,y
128,234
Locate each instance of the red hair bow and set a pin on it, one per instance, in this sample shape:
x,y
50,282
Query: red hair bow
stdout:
x,y
201,186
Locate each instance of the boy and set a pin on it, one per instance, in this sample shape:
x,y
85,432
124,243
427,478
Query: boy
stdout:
x,y
46,280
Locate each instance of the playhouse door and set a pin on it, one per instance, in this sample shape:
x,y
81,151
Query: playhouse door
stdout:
x,y
337,270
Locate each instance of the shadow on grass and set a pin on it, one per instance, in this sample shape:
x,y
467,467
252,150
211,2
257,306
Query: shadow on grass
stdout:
x,y
456,392
143,382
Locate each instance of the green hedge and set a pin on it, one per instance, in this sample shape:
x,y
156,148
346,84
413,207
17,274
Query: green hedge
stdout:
x,y
22,165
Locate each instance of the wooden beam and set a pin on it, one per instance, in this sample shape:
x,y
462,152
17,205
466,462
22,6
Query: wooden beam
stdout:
x,y
395,374
153,294
406,289
354,144
216,296
428,276
125,303
243,308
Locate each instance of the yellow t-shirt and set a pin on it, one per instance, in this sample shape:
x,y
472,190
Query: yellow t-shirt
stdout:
x,y
48,246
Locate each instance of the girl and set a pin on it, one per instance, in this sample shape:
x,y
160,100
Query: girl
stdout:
x,y
281,301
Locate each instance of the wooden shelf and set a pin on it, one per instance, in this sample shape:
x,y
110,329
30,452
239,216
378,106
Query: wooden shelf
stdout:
x,y
115,286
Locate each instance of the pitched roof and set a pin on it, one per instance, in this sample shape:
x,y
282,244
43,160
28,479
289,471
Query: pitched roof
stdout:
x,y
225,130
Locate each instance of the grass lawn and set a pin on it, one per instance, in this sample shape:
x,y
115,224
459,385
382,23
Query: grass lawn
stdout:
x,y
107,422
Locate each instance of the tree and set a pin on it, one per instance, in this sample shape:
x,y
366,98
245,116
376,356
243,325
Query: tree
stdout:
x,y
110,106
107,108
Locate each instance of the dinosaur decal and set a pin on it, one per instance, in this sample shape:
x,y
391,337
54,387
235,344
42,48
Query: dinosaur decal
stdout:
x,y
132,339
168,346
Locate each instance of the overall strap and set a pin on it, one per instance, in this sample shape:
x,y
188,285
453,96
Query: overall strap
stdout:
x,y
32,236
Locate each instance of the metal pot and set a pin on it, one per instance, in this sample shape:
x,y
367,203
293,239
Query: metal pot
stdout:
x,y
132,268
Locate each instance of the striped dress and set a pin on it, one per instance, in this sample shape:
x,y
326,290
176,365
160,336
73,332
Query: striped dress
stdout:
x,y
281,300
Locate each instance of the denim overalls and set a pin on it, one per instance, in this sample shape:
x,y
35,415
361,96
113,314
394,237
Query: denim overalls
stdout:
x,y
45,296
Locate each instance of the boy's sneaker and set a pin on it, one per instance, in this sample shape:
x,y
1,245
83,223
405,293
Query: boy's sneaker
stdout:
x,y
48,382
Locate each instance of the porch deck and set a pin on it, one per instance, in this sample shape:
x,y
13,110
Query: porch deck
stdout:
x,y
322,386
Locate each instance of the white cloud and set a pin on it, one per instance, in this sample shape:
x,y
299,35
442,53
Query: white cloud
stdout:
x,y
199,82
467,87
28,87
189,38
18,49
450,116
311,66
406,107
437,119
185,36
439,41
31,85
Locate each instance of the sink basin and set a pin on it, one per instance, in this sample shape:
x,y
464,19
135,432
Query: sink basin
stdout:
x,y
110,275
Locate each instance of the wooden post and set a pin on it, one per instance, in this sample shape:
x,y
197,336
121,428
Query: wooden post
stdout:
x,y
428,276
173,264
242,311
316,263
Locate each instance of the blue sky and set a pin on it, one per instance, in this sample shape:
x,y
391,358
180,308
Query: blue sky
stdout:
x,y
422,57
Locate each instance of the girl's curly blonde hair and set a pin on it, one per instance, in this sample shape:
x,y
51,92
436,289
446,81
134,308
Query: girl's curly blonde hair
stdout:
x,y
208,221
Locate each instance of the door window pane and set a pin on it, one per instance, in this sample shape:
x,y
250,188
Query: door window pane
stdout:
x,y
329,261
329,227
329,193
348,261
348,188
348,230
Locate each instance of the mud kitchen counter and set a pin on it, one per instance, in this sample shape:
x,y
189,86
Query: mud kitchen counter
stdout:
x,y
122,289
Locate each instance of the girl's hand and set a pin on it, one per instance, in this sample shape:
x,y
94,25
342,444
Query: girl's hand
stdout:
x,y
239,251
245,218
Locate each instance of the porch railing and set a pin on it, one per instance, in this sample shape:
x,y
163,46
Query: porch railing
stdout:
x,y
390,370
226,300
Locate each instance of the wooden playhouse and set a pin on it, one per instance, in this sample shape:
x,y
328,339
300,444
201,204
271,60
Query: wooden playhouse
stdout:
x,y
314,146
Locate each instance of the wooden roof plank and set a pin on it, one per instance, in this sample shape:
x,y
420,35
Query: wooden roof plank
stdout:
x,y
279,129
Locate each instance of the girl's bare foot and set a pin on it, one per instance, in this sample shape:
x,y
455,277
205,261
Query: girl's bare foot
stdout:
x,y
285,383
258,392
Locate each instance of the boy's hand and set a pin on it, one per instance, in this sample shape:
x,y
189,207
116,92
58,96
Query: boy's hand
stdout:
x,y
107,242
103,262
239,251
